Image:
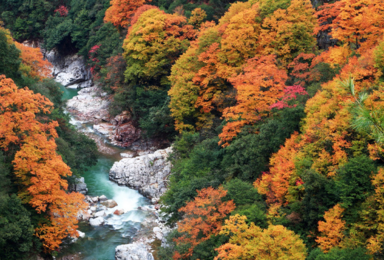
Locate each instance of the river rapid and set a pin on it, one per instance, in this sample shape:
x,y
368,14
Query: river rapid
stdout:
x,y
100,242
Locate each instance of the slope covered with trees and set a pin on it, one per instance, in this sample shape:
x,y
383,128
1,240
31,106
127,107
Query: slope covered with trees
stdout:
x,y
37,211
278,144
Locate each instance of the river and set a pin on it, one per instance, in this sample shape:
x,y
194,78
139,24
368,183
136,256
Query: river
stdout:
x,y
99,242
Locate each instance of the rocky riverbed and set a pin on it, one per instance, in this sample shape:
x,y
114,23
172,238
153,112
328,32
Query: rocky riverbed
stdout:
x,y
123,211
105,212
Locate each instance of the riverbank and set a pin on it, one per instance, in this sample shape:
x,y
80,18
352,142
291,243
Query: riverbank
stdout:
x,y
140,221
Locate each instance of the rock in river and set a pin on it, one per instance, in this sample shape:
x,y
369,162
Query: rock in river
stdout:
x,y
109,203
96,221
147,173
79,186
134,251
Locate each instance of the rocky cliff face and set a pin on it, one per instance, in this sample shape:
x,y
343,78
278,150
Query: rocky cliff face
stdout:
x,y
70,71
146,173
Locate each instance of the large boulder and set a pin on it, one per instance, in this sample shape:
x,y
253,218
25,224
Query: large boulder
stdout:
x,y
103,198
80,235
126,134
146,173
120,130
79,186
119,212
101,213
134,251
158,233
109,203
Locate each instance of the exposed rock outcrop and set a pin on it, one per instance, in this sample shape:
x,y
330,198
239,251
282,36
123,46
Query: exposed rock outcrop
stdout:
x,y
70,71
146,173
134,251
80,235
120,130
79,186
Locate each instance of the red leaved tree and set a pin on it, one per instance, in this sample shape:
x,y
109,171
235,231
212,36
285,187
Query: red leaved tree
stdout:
x,y
62,10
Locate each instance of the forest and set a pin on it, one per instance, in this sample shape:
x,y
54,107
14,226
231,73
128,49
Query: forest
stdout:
x,y
273,107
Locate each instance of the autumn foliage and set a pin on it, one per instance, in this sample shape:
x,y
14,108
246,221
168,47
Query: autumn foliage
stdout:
x,y
285,27
137,15
275,184
252,242
331,229
197,17
62,10
358,23
203,218
121,11
250,88
328,120
247,34
33,62
155,41
261,85
38,169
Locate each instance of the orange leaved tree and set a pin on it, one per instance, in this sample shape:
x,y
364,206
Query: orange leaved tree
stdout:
x,y
358,23
203,218
121,11
260,86
328,120
332,229
33,62
39,170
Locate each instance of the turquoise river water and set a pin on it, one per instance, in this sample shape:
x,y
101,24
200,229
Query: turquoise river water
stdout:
x,y
99,242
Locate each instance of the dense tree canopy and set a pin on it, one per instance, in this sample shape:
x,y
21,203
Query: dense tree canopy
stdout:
x,y
274,108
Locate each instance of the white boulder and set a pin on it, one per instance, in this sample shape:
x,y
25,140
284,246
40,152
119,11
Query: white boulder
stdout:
x,y
134,251
96,221
146,173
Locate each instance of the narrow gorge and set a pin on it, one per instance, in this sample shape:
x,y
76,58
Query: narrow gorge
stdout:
x,y
191,129
124,187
